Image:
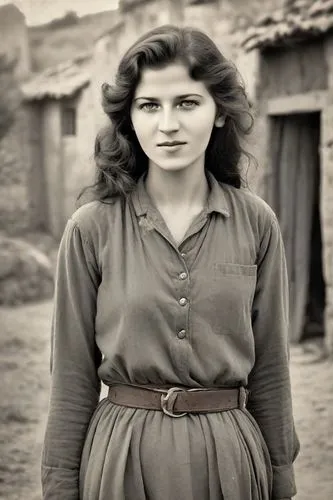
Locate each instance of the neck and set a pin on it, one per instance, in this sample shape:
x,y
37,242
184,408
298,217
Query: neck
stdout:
x,y
180,190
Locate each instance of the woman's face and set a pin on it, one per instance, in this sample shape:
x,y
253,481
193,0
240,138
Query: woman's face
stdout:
x,y
173,116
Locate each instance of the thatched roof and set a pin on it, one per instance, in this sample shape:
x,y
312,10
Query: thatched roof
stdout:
x,y
60,81
297,21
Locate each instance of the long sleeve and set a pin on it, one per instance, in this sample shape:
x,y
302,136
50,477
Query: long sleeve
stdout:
x,y
75,386
269,381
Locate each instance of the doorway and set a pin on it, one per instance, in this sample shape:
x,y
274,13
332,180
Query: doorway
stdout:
x,y
293,191
316,298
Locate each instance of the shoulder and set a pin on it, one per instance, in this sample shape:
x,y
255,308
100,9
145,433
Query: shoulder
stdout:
x,y
245,203
88,214
92,223
95,216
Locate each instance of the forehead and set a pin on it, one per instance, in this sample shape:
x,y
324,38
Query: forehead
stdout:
x,y
169,81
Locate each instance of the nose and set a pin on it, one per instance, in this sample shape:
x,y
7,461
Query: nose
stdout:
x,y
168,122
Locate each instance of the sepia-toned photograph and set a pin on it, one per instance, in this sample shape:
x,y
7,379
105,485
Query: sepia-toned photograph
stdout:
x,y
166,249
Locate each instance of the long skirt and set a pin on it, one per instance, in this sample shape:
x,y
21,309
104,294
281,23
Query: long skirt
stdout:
x,y
134,454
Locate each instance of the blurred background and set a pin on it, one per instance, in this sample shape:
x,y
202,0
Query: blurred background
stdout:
x,y
54,56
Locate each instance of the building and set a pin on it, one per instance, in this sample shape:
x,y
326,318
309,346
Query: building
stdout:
x,y
60,105
294,95
286,59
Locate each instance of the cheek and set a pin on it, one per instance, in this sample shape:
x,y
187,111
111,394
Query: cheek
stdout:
x,y
202,123
202,132
142,128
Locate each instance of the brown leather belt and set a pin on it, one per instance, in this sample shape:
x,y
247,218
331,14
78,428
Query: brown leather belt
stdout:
x,y
178,401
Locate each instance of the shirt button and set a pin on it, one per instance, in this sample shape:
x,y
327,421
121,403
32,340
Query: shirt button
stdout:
x,y
183,301
181,334
183,255
182,276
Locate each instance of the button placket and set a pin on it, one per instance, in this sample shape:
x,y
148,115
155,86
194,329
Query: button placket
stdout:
x,y
182,339
183,301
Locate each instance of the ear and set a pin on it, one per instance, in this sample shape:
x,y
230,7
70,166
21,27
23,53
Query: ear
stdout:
x,y
219,121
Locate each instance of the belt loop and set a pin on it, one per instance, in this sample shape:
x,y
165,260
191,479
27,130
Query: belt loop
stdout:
x,y
242,397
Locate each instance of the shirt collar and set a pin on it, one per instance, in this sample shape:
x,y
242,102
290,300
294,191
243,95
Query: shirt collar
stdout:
x,y
216,202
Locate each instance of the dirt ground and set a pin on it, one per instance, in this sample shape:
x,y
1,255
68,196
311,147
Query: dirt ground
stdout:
x,y
24,382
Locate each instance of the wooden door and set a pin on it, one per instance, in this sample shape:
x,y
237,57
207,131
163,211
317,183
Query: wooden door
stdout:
x,y
290,191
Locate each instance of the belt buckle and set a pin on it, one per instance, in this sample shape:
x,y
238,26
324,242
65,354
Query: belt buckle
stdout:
x,y
165,399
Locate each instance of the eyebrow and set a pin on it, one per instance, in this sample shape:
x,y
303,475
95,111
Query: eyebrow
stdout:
x,y
183,96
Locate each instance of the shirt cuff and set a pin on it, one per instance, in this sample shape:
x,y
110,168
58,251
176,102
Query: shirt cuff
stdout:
x,y
283,482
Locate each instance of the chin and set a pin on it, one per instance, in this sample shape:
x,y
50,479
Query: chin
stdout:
x,y
174,166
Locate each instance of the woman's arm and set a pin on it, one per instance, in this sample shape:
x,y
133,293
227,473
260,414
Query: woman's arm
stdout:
x,y
75,386
269,382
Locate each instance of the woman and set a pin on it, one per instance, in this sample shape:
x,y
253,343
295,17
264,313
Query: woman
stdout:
x,y
171,289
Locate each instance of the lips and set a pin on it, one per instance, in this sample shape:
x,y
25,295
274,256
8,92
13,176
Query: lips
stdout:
x,y
171,143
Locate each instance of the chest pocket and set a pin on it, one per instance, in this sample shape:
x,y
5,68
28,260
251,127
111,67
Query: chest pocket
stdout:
x,y
232,288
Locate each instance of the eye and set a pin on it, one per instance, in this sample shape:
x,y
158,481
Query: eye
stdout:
x,y
148,106
188,104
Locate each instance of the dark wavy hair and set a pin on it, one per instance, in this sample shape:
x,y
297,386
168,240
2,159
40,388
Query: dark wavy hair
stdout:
x,y
119,158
